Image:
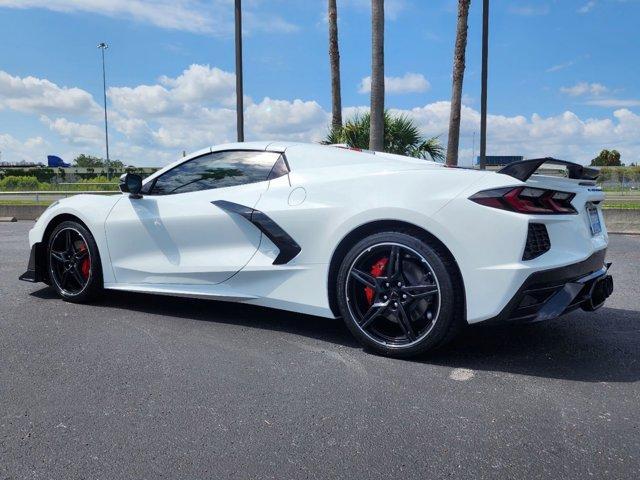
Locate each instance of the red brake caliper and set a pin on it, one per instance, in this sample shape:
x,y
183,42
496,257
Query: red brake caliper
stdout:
x,y
376,270
85,266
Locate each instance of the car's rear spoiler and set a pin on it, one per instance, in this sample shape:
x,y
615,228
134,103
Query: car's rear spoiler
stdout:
x,y
523,169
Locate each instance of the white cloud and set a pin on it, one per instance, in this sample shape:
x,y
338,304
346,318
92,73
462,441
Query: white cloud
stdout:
x,y
562,136
214,17
409,83
153,124
587,7
36,95
529,10
282,119
14,150
202,83
76,133
560,66
198,84
613,102
584,88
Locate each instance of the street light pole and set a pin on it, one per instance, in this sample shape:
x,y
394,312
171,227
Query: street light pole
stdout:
x,y
239,89
103,46
483,94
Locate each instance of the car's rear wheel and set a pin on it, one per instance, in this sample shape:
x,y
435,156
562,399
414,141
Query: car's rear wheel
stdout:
x,y
74,263
397,294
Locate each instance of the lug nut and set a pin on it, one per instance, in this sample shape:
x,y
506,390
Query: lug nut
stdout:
x,y
404,296
399,284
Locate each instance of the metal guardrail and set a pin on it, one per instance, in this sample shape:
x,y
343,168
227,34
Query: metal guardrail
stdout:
x,y
52,195
86,184
55,192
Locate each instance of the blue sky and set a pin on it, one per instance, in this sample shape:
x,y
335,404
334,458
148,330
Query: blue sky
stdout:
x,y
563,74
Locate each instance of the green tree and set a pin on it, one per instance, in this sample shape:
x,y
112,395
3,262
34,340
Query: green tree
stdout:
x,y
401,136
607,158
89,161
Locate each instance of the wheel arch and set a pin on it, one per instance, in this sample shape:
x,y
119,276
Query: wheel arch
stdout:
x,y
57,220
51,226
377,226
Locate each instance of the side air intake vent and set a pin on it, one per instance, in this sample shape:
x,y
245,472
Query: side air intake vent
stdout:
x,y
537,241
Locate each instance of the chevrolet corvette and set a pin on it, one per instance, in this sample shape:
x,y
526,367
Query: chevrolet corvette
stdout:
x,y
406,251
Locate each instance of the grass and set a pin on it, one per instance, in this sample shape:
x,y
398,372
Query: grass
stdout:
x,y
621,191
43,203
621,205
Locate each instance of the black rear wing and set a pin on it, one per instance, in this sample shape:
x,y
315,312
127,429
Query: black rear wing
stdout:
x,y
523,169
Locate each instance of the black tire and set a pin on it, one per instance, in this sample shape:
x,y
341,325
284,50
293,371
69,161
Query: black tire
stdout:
x,y
66,263
420,327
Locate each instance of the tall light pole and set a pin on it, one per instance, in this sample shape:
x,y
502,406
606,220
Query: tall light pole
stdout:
x,y
483,94
239,89
103,46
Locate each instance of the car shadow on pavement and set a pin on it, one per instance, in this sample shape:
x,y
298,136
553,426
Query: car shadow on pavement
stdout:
x,y
325,329
592,347
602,346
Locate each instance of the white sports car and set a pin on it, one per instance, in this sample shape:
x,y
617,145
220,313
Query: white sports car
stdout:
x,y
406,251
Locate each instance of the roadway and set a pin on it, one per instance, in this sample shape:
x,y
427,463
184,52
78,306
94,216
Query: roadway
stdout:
x,y
140,386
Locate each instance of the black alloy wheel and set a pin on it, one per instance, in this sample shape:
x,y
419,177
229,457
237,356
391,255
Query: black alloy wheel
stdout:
x,y
396,294
74,264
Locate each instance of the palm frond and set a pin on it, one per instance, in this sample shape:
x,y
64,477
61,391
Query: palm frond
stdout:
x,y
431,147
401,136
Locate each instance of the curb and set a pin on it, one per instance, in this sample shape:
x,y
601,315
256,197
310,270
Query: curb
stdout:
x,y
8,219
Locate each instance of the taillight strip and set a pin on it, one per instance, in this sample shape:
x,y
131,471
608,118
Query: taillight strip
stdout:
x,y
532,201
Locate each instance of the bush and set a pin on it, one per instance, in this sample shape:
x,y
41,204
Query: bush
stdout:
x,y
88,184
41,174
12,183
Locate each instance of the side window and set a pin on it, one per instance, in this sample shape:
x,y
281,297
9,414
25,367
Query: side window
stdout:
x,y
217,170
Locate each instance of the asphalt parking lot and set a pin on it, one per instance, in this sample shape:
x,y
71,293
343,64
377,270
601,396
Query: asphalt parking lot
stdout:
x,y
155,387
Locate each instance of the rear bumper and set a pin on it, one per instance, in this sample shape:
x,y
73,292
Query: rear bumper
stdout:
x,y
548,294
36,270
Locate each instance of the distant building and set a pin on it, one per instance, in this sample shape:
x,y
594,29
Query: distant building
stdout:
x,y
500,160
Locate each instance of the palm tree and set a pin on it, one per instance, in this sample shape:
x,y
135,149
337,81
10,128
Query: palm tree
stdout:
x,y
458,77
334,60
401,136
376,135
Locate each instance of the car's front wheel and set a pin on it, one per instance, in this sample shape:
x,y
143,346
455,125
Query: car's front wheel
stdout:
x,y
74,263
398,294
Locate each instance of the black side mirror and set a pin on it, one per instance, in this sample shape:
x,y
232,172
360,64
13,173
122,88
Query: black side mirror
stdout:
x,y
132,184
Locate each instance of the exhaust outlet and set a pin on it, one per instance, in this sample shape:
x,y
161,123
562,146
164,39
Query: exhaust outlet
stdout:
x,y
600,291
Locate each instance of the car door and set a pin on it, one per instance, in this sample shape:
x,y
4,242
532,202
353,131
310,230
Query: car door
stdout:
x,y
174,234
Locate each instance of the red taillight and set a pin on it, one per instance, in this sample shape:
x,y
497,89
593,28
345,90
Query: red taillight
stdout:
x,y
527,200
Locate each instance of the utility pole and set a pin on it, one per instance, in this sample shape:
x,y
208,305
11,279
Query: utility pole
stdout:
x,y
239,89
103,46
483,95
473,155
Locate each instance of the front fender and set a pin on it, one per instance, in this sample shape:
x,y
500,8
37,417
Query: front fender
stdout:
x,y
91,210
